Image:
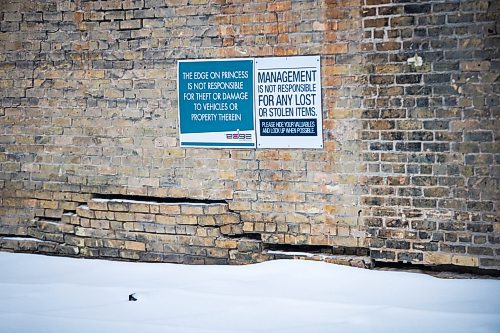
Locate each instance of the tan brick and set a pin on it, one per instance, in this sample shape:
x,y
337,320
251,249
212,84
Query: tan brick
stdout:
x,y
192,209
142,217
139,207
113,243
226,243
334,48
84,211
129,255
48,204
206,220
215,209
227,219
118,206
226,229
437,258
98,205
136,246
465,261
99,224
170,209
217,253
163,219
120,216
186,219
478,66
104,215
154,208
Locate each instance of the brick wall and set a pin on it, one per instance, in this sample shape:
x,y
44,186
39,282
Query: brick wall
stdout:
x,y
88,112
429,132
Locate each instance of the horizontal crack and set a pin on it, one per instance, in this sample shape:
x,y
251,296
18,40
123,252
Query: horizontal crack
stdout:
x,y
156,199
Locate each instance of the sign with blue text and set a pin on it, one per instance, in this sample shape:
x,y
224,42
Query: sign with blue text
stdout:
x,y
250,102
288,102
216,103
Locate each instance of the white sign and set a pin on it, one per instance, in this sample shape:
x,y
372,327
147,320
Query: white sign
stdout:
x,y
288,102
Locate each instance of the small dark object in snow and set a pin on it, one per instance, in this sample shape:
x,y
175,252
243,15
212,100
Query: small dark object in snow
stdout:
x,y
132,298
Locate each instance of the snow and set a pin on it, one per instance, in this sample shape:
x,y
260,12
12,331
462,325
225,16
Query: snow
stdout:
x,y
54,294
31,239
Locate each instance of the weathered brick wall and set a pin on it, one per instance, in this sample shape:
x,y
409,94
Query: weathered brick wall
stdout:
x,y
89,113
430,132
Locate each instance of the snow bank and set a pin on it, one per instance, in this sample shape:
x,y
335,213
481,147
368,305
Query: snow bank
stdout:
x,y
51,294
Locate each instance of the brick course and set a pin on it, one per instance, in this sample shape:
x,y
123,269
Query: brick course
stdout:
x,y
409,167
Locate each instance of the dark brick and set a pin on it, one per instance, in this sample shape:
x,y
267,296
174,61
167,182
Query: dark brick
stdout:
x,y
437,78
424,181
428,246
450,237
480,227
390,10
494,239
377,242
408,78
369,12
410,191
382,255
445,7
376,23
452,226
424,235
381,79
381,146
370,114
388,46
473,159
489,262
411,257
436,124
460,18
420,136
431,20
446,66
448,43
409,146
396,223
436,147
417,9
481,251
397,244
418,90
480,206
425,203
412,169
402,21
481,136
465,147
480,239
373,201
452,248
421,158
422,102
465,238
392,136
